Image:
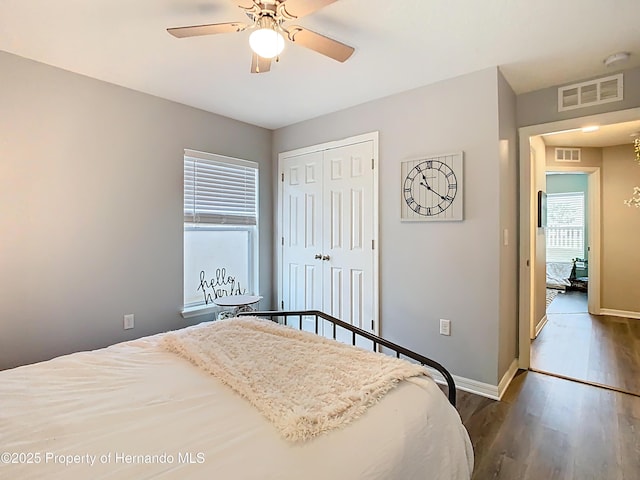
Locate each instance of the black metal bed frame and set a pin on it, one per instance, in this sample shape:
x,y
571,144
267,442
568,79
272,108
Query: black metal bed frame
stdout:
x,y
355,331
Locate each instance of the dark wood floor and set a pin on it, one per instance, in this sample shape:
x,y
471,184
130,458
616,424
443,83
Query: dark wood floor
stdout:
x,y
592,348
569,302
549,428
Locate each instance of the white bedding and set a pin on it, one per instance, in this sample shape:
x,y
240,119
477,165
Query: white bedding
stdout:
x,y
558,275
134,410
304,384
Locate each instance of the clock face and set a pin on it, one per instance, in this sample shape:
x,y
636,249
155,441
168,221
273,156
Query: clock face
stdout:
x,y
430,188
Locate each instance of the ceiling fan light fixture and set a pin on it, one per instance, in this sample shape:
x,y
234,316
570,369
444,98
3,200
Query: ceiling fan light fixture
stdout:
x,y
266,41
268,33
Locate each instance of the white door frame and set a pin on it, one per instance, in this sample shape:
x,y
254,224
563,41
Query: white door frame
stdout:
x,y
528,220
594,198
365,137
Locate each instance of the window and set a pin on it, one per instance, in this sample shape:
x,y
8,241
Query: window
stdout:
x,y
220,227
565,226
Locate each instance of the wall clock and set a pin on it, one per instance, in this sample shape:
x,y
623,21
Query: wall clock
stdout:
x,y
432,188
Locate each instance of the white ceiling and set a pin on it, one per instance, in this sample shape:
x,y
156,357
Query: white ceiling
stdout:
x,y
605,136
400,44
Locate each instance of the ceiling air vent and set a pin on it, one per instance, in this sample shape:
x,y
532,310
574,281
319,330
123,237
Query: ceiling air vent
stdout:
x,y
593,92
567,154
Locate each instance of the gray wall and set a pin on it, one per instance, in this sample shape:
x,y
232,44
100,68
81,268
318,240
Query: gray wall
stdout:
x,y
589,157
508,204
620,230
91,208
541,106
437,270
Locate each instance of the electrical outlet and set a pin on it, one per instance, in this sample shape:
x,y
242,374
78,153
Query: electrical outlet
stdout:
x,y
445,327
128,321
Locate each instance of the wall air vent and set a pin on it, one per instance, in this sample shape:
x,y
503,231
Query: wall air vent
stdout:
x,y
567,154
593,92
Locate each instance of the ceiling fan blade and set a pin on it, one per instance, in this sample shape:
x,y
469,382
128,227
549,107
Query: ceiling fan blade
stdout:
x,y
214,28
321,44
246,4
300,8
259,64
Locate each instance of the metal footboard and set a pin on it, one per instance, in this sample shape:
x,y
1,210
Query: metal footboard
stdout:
x,y
358,332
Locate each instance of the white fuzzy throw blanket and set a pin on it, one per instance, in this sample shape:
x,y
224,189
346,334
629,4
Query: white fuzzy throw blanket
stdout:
x,y
304,384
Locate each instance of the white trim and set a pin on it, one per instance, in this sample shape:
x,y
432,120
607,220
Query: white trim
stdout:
x,y
468,385
619,313
220,158
524,342
595,238
541,325
594,198
506,379
365,137
190,312
494,392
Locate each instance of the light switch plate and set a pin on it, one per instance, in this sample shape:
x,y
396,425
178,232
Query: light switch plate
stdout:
x,y
445,327
128,321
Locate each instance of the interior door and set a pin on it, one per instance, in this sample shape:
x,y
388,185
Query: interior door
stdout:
x,y
328,229
348,234
301,232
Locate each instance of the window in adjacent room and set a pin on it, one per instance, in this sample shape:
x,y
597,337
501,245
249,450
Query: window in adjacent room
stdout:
x,y
565,226
220,227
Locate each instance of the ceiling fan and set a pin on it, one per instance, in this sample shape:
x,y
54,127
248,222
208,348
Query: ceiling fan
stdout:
x,y
267,39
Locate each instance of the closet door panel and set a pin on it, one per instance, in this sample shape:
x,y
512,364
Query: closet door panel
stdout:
x,y
302,232
348,226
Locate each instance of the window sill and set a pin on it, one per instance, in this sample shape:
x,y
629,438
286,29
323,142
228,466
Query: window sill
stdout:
x,y
198,310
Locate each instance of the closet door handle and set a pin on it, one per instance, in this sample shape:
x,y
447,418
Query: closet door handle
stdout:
x,y
318,256
326,257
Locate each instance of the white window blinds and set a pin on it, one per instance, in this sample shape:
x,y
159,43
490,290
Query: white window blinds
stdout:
x,y
565,226
219,190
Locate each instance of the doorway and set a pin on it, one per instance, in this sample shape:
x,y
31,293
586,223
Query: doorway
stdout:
x,y
601,334
568,234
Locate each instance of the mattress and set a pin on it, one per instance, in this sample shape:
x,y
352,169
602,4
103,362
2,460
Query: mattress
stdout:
x,y
134,410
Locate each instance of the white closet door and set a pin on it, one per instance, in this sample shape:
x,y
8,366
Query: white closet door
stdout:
x,y
328,212
302,232
348,234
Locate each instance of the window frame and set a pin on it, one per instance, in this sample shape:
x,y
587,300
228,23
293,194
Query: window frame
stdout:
x,y
193,222
552,198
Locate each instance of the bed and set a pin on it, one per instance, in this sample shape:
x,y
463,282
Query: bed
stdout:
x,y
140,410
558,274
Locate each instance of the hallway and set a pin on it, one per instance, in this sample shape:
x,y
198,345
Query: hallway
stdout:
x,y
596,349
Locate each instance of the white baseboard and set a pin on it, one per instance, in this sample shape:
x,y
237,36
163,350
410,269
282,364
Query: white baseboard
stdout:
x,y
619,313
507,377
541,325
487,390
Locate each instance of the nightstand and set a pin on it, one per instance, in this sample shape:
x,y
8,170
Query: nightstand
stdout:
x,y
237,304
